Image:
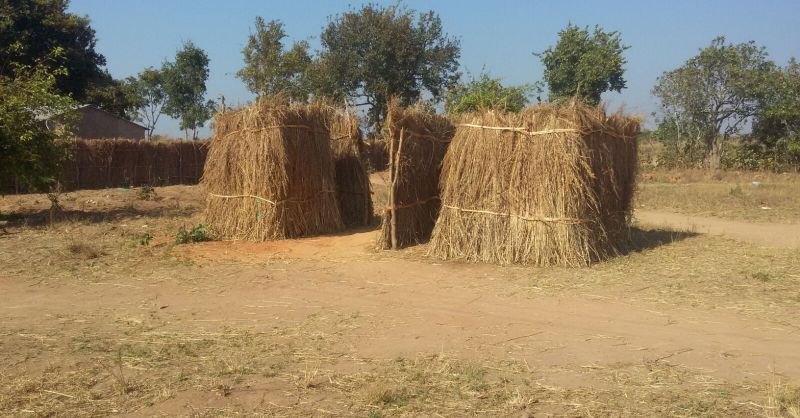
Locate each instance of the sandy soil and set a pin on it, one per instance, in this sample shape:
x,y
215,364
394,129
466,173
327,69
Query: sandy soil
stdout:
x,y
368,306
763,233
410,306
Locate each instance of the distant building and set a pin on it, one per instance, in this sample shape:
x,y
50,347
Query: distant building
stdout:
x,y
94,123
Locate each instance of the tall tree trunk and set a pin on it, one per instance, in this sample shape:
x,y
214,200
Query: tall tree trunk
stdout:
x,y
709,142
714,151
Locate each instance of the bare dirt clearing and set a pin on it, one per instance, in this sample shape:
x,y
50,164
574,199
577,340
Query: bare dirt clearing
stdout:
x,y
763,233
684,324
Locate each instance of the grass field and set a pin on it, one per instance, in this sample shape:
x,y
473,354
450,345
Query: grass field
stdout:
x,y
102,313
742,196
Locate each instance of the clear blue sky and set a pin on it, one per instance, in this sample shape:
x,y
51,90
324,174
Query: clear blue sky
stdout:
x,y
500,35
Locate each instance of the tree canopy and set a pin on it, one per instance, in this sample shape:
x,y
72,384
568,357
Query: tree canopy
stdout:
x,y
31,29
485,92
270,69
148,89
715,93
28,97
184,83
376,53
778,113
584,63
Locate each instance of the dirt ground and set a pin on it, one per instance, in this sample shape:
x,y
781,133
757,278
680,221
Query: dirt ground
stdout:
x,y
102,313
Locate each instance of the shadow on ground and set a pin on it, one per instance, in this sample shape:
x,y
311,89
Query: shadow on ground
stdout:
x,y
642,239
43,217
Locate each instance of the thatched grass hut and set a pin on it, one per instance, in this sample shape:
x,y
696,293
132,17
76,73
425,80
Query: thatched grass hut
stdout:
x,y
269,173
352,180
551,185
417,140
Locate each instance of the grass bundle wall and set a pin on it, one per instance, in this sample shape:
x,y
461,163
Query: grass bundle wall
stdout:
x,y
105,163
377,155
417,142
548,186
352,180
269,173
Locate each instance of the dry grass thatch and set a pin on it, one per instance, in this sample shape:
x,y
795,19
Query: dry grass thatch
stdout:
x,y
269,173
106,163
376,154
417,142
551,185
352,180
103,163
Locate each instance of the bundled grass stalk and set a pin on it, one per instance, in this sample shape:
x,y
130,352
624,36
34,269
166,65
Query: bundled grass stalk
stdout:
x,y
269,173
352,180
417,141
103,163
551,185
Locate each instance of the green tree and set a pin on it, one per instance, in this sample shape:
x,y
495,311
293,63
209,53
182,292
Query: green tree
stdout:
x,y
31,29
30,104
714,94
376,53
148,89
115,96
485,92
184,82
268,68
776,124
778,113
584,64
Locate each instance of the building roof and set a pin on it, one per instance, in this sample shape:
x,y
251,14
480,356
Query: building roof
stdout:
x,y
89,106
48,116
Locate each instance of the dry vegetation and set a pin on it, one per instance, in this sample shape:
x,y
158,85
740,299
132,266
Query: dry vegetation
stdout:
x,y
270,173
352,179
106,163
417,141
551,185
750,196
98,323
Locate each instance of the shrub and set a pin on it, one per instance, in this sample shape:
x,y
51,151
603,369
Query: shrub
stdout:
x,y
144,239
739,154
30,155
146,192
196,234
671,154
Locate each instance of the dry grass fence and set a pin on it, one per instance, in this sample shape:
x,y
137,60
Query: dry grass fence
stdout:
x,y
270,173
551,185
417,142
353,192
105,163
376,154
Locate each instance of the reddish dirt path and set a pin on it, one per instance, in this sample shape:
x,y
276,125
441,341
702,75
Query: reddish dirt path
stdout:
x,y
762,233
404,307
401,304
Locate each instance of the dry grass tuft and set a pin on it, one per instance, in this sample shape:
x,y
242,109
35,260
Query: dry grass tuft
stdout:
x,y
84,251
551,185
417,141
783,401
269,173
382,394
